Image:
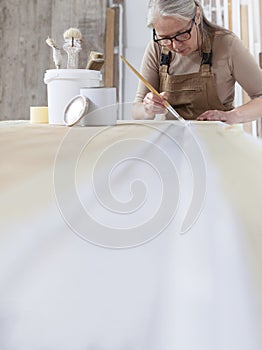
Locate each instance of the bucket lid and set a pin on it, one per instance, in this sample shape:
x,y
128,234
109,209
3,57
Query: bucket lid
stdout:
x,y
72,74
76,108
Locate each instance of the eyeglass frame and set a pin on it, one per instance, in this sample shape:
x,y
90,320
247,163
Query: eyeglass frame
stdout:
x,y
171,38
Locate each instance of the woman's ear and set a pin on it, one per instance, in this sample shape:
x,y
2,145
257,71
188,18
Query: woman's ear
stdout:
x,y
198,16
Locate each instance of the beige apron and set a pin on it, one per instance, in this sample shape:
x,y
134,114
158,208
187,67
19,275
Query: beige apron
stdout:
x,y
190,94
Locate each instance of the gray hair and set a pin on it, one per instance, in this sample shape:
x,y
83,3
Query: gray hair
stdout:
x,y
182,9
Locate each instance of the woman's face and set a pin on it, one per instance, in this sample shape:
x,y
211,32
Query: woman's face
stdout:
x,y
170,26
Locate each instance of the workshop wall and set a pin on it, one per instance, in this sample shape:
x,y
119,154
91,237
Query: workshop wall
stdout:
x,y
24,54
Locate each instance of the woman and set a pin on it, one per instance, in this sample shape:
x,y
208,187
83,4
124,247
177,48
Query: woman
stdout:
x,y
195,64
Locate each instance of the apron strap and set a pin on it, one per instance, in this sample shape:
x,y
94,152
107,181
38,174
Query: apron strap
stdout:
x,y
165,60
206,63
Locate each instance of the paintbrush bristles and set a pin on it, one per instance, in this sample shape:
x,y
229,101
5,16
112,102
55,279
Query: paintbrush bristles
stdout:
x,y
51,43
72,33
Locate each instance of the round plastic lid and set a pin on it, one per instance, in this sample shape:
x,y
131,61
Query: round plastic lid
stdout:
x,y
76,109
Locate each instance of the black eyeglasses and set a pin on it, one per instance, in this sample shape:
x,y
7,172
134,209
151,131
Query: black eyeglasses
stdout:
x,y
183,36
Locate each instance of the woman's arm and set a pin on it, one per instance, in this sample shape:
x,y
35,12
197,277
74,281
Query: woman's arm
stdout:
x,y
246,72
145,102
250,111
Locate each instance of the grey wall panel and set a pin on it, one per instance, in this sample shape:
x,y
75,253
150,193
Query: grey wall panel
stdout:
x,y
24,54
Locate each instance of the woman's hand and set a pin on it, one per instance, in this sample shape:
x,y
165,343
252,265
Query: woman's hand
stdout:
x,y
221,116
154,104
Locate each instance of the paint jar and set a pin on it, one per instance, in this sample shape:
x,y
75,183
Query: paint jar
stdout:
x,y
93,107
103,101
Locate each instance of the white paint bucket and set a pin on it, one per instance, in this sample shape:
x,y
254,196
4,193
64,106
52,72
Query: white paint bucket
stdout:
x,y
63,85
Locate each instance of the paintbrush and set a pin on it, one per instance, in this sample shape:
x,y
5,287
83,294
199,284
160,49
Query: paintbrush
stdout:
x,y
57,57
154,91
96,60
72,46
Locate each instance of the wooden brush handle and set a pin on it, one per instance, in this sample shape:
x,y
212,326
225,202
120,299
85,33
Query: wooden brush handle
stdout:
x,y
147,84
153,90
